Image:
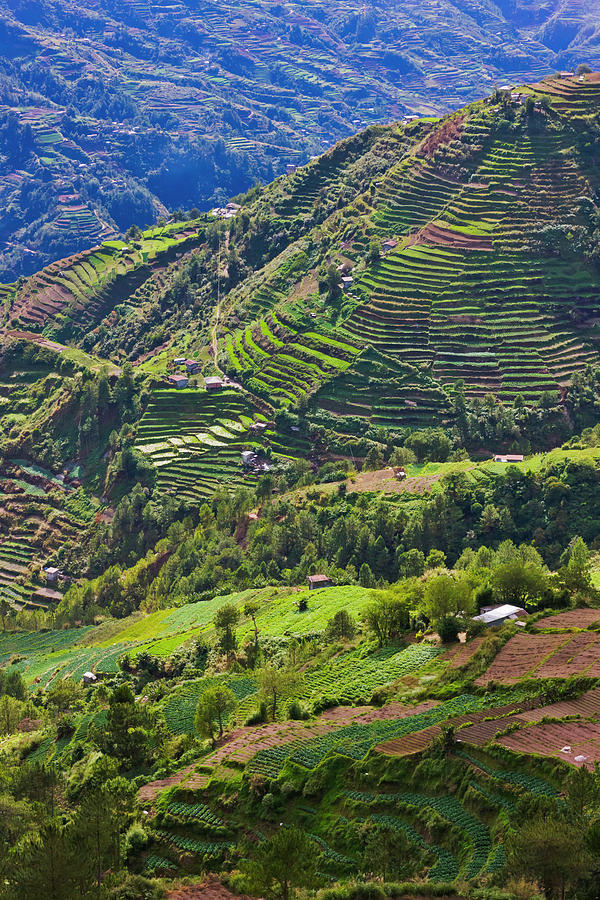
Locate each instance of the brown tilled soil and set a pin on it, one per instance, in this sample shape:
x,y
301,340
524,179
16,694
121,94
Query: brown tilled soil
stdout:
x,y
545,656
381,480
572,618
439,236
242,744
148,792
212,889
461,654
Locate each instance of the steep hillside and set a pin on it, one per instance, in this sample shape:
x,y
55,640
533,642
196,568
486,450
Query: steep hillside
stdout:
x,y
471,258
113,113
428,289
402,263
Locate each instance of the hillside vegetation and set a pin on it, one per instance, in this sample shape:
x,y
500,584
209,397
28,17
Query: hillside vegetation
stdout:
x,y
112,114
251,515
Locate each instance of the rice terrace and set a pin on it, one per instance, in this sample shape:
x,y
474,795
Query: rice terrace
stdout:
x,y
300,484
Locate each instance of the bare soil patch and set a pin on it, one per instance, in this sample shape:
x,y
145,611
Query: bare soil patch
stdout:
x,y
439,236
553,738
244,743
572,618
211,889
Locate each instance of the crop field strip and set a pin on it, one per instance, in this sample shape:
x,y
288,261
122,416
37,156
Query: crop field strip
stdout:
x,y
195,439
355,741
572,618
549,738
388,391
243,747
285,361
448,808
181,705
530,733
418,741
514,337
517,780
75,288
444,869
545,656
38,524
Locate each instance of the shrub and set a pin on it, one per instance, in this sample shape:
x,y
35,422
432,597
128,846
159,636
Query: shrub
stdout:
x,y
342,625
258,716
135,840
296,711
136,888
448,629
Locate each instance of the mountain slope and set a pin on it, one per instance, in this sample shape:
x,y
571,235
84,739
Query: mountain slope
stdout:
x,y
112,113
468,247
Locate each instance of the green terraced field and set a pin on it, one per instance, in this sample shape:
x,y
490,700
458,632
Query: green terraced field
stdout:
x,y
195,440
44,513
467,296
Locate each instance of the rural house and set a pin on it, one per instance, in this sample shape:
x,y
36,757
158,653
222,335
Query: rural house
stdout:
x,y
318,581
213,383
179,381
51,574
508,457
191,366
498,615
89,678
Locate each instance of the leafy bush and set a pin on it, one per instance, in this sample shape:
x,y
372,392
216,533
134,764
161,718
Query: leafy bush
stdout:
x,y
448,629
297,711
135,887
258,716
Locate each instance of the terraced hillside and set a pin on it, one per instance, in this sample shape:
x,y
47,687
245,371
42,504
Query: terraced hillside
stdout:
x,y
274,85
40,510
39,513
75,293
483,271
491,786
404,262
195,440
464,293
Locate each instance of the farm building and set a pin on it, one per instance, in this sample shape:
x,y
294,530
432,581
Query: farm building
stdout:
x,y
213,383
89,678
51,574
248,457
508,457
258,426
388,245
179,360
179,381
347,280
191,366
290,169
498,615
318,581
